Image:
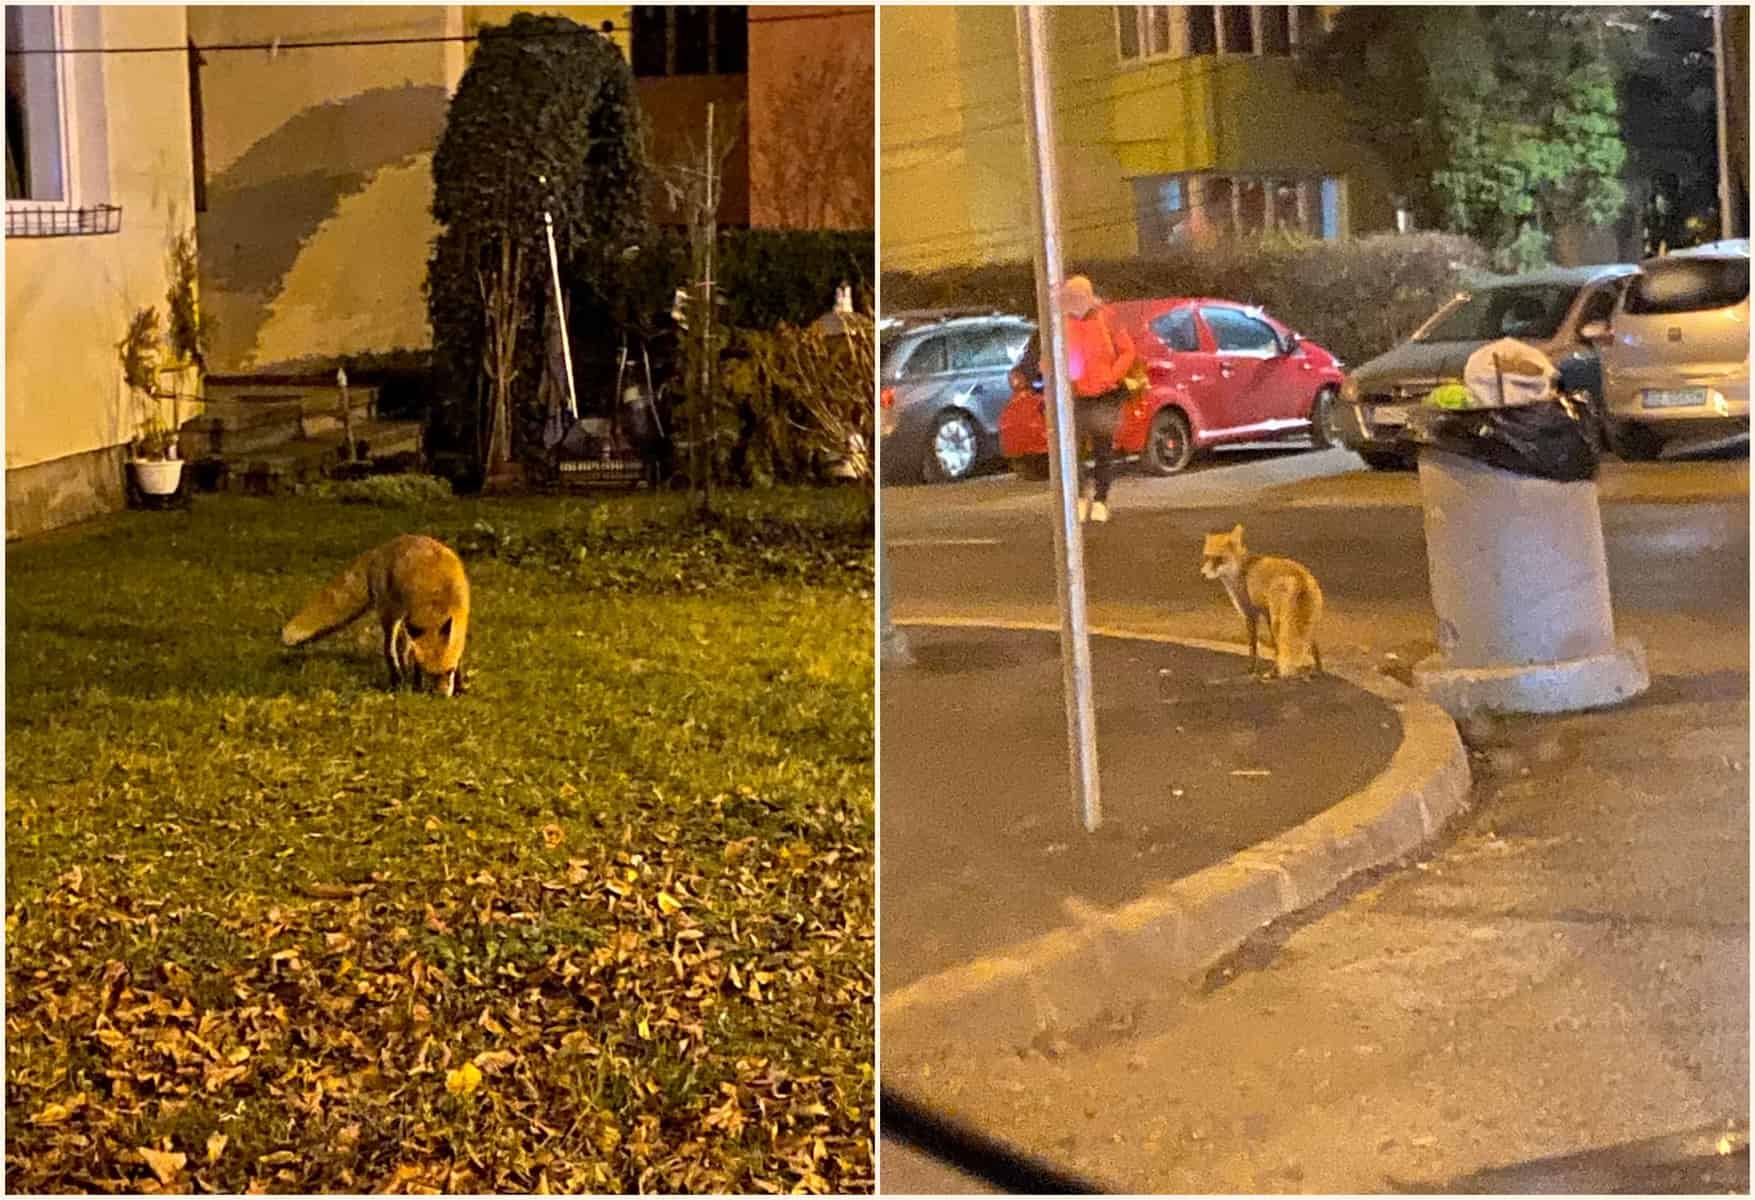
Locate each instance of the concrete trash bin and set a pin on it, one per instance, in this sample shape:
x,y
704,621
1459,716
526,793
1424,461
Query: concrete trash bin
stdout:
x,y
1520,584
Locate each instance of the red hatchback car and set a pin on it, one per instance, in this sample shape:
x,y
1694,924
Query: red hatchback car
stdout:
x,y
1217,371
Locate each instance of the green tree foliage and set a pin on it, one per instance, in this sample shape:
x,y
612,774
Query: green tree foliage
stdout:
x,y
1504,122
545,118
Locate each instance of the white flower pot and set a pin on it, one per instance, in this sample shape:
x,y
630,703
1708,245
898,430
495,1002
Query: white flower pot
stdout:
x,y
158,478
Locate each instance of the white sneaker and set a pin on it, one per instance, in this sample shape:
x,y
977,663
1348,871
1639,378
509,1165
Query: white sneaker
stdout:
x,y
1084,510
1099,512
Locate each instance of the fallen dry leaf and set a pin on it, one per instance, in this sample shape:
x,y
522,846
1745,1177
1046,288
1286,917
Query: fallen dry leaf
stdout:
x,y
166,1166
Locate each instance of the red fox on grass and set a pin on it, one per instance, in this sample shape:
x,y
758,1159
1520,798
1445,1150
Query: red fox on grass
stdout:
x,y
417,588
1284,590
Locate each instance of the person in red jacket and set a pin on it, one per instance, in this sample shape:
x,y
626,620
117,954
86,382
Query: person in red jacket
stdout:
x,y
1099,354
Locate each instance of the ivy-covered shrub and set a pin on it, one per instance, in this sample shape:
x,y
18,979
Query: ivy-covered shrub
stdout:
x,y
1356,297
545,118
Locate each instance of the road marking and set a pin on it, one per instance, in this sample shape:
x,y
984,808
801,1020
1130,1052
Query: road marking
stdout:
x,y
906,543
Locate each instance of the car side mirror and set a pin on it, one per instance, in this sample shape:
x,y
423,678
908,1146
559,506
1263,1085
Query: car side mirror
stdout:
x,y
1593,331
1290,343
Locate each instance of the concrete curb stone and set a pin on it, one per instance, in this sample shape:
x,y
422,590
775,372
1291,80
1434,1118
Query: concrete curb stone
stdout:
x,y
1104,962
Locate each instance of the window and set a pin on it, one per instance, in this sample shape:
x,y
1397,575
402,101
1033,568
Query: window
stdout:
x,y
35,153
1519,310
1238,333
1239,29
1203,37
1152,30
993,348
197,127
1276,29
692,34
928,359
1679,285
1176,330
651,41
1599,305
731,39
1174,208
1127,30
690,39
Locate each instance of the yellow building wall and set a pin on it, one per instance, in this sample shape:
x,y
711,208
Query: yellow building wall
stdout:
x,y
319,178
953,185
69,299
955,178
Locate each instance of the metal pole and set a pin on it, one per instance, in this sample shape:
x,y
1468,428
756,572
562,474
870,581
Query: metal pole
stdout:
x,y
560,309
1726,224
1063,458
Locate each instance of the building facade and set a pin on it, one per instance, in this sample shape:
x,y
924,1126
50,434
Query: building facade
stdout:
x,y
1175,123
99,180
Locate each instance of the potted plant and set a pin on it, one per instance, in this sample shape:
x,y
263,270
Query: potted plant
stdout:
x,y
155,366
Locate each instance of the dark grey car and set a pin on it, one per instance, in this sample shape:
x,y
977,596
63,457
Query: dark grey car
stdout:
x,y
944,383
1546,309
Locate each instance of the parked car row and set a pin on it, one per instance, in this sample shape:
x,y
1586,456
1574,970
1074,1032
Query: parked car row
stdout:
x,y
963,389
1661,349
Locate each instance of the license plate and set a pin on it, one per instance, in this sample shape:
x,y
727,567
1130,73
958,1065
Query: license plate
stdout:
x,y
1673,398
1390,414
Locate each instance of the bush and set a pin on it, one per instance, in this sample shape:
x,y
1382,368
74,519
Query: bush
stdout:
x,y
774,276
385,491
797,397
1356,298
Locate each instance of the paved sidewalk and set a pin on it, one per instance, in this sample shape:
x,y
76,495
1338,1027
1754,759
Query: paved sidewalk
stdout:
x,y
982,846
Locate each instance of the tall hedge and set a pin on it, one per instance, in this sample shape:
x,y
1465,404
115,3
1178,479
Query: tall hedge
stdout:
x,y
1357,297
543,98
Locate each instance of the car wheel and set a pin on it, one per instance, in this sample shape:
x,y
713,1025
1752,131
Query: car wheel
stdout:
x,y
1323,432
953,448
1633,442
1034,466
1384,460
1169,444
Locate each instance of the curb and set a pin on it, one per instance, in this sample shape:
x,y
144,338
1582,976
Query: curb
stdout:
x,y
1108,960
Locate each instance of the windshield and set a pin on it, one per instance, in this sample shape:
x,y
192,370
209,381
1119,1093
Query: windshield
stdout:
x,y
1529,311
1681,285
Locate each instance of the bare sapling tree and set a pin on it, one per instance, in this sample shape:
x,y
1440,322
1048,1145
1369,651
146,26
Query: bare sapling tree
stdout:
x,y
693,188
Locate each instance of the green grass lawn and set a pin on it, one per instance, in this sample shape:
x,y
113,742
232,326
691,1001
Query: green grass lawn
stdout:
x,y
603,923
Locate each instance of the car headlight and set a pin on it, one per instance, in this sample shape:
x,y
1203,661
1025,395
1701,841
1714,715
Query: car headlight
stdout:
x,y
1350,390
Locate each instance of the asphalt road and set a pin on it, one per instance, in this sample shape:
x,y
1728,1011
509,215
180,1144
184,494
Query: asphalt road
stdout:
x,y
1554,997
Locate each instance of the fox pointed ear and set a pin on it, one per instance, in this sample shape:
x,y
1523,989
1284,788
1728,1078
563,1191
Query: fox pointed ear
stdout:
x,y
445,629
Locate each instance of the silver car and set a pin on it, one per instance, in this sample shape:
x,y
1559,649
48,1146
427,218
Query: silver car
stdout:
x,y
944,383
1675,353
1550,310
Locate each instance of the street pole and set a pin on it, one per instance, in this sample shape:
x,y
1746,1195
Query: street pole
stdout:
x,y
1726,225
1063,457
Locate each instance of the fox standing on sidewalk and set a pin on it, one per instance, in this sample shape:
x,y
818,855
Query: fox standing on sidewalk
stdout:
x,y
1099,356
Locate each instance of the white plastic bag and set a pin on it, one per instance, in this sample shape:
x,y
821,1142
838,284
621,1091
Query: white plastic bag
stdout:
x,y
1509,372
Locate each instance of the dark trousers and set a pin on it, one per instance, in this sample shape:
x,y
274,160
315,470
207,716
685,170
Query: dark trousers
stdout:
x,y
1098,418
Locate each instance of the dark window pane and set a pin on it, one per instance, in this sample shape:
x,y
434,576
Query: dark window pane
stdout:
x,y
1236,333
1176,330
1276,29
1239,33
649,40
1202,39
732,34
1306,28
1158,40
1253,205
1286,206
693,39
928,359
1599,305
1127,29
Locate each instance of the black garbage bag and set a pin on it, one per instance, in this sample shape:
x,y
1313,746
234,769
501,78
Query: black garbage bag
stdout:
x,y
1546,440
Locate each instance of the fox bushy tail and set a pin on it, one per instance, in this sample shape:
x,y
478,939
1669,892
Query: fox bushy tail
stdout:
x,y
341,602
